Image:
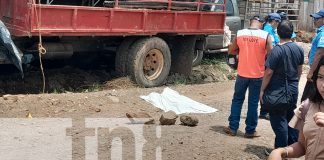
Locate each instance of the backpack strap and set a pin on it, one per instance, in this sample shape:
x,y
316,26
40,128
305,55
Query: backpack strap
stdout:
x,y
298,120
304,108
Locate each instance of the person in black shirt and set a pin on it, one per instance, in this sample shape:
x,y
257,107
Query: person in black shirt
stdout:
x,y
290,54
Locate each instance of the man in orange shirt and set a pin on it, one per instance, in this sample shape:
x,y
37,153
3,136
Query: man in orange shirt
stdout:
x,y
251,45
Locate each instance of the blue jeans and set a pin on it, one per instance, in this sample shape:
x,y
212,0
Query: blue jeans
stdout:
x,y
241,85
285,135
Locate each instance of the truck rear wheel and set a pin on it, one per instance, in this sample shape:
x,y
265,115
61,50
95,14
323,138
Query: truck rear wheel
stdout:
x,y
122,55
149,61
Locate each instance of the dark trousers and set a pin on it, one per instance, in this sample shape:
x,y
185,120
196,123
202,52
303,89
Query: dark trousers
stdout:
x,y
263,112
285,135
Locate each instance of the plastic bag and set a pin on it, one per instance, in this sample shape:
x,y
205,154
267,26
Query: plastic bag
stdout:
x,y
227,36
13,53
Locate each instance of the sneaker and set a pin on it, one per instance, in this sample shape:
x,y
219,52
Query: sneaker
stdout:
x,y
267,151
252,135
266,117
228,131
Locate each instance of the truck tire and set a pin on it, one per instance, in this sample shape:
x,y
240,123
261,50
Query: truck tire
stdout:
x,y
149,61
122,55
197,58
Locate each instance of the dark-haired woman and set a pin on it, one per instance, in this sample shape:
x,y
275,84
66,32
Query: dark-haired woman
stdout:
x,y
283,70
311,136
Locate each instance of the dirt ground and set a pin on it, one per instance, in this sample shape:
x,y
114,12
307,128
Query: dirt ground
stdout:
x,y
205,141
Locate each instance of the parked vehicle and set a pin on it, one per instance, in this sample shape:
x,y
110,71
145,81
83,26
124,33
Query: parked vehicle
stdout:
x,y
215,43
151,38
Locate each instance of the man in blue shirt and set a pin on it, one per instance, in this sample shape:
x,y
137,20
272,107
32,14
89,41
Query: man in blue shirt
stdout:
x,y
317,50
273,20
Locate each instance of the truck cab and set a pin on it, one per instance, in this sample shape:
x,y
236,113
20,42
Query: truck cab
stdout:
x,y
214,43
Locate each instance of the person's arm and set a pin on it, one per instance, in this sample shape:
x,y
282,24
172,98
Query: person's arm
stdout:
x,y
266,79
300,71
269,44
233,47
318,54
295,150
293,37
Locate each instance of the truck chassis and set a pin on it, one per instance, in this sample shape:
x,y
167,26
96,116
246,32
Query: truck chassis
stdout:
x,y
149,42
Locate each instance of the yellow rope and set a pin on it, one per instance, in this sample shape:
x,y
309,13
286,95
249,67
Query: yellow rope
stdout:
x,y
41,49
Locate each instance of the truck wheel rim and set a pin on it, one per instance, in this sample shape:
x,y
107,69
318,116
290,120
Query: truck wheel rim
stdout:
x,y
153,64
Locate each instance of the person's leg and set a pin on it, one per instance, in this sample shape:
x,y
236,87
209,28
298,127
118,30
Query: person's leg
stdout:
x,y
279,126
252,113
241,85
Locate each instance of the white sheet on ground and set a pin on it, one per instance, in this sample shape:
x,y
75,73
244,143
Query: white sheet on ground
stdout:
x,y
171,100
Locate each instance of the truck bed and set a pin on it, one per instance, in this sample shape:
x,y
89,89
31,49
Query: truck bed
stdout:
x,y
21,17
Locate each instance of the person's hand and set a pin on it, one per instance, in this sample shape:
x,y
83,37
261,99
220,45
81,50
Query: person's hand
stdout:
x,y
319,119
260,96
275,154
309,77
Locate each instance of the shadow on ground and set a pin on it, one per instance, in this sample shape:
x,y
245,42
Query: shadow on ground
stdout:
x,y
219,129
256,150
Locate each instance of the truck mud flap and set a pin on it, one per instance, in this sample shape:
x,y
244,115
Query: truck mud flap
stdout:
x,y
182,54
13,53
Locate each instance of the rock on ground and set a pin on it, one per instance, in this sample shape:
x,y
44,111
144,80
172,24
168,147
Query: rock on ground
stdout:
x,y
168,118
136,118
189,120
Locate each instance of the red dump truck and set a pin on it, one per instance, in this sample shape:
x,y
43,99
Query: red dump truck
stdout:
x,y
151,37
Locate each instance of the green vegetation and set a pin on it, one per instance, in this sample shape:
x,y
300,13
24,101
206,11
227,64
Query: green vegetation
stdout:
x,y
93,88
58,90
83,89
181,81
214,59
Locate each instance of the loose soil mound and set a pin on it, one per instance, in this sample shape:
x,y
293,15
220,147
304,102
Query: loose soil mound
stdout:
x,y
76,79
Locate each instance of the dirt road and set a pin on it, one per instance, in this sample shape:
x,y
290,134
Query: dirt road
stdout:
x,y
76,125
205,141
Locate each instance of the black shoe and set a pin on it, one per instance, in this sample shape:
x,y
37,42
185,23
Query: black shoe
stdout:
x,y
266,117
252,135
